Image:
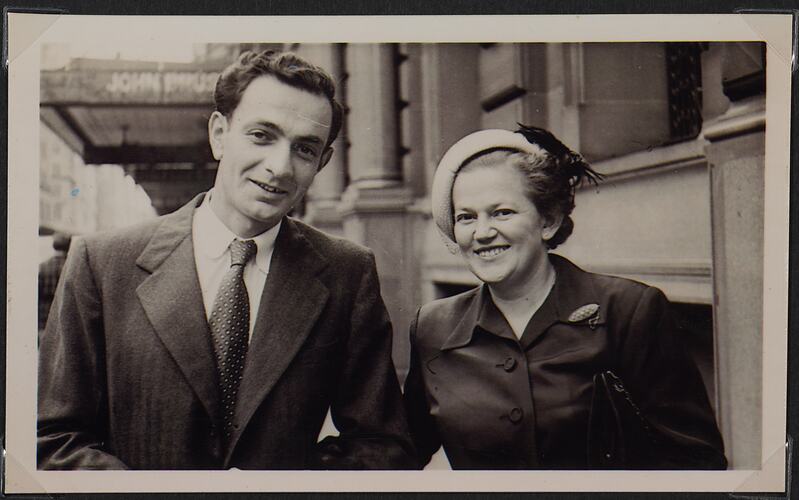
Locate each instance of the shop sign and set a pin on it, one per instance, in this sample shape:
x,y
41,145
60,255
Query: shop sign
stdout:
x,y
161,86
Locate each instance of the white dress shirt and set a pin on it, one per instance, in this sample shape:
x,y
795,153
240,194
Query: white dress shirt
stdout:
x,y
212,240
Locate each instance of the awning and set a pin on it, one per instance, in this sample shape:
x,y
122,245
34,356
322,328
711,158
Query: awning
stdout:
x,y
124,112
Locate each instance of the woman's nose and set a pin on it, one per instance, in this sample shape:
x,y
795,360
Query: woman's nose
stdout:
x,y
484,230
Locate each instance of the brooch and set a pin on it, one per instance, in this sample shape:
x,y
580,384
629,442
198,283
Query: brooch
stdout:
x,y
585,312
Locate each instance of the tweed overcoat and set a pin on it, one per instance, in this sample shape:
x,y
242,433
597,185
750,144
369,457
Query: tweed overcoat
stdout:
x,y
495,402
127,376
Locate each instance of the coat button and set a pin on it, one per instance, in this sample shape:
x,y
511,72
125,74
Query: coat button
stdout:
x,y
516,415
509,365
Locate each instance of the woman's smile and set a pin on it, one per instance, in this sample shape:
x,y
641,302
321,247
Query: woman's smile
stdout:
x,y
491,252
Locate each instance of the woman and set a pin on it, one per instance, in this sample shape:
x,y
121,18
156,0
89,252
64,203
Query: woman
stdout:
x,y
503,376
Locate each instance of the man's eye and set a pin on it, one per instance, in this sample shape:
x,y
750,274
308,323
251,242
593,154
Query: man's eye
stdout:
x,y
305,151
260,135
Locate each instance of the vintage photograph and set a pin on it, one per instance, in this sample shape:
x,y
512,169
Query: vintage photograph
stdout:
x,y
419,256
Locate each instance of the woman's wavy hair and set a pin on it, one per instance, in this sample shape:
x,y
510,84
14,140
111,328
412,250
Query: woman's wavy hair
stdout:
x,y
287,68
552,177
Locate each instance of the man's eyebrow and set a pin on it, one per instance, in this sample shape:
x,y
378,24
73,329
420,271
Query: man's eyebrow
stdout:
x,y
311,139
266,124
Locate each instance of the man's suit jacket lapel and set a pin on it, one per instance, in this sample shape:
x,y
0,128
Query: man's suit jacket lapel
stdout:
x,y
172,300
292,300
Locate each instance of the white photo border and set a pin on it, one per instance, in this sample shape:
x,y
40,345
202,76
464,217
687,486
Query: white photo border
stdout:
x,y
27,32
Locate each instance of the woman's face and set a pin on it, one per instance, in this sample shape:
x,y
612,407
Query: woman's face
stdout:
x,y
498,229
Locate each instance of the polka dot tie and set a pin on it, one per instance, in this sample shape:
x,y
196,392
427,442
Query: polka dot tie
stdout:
x,y
230,325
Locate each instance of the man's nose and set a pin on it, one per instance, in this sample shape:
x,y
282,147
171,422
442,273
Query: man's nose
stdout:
x,y
484,230
278,159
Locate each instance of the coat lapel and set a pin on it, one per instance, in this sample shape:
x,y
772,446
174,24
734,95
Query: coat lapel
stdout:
x,y
571,291
172,300
292,300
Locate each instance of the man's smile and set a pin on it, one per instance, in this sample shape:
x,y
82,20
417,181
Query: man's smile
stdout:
x,y
268,187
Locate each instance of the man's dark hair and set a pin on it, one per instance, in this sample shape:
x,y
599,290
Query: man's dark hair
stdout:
x,y
286,67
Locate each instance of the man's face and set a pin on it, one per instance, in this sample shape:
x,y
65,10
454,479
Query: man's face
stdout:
x,y
269,151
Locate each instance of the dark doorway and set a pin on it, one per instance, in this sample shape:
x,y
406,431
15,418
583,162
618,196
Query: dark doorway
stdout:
x,y
696,327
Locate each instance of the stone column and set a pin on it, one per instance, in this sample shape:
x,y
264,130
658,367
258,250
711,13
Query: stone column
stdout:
x,y
324,195
736,155
372,121
374,204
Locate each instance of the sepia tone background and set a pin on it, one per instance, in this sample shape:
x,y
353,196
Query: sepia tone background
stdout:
x,y
677,128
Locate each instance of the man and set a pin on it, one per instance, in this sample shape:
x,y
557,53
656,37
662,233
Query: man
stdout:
x,y
171,346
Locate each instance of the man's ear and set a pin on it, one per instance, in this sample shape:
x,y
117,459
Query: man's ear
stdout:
x,y
217,128
326,155
551,227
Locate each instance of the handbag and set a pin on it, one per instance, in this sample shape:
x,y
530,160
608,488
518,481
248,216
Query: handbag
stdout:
x,y
619,435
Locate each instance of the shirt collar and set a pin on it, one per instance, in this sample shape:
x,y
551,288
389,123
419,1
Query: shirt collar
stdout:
x,y
213,237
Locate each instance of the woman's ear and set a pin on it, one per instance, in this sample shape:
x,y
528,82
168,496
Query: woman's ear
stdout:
x,y
551,227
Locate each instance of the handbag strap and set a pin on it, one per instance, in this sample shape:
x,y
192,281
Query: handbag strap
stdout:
x,y
618,386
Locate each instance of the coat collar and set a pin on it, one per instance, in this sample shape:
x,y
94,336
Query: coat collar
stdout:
x,y
462,333
572,290
174,228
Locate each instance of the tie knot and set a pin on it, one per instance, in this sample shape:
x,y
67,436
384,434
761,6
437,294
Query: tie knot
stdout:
x,y
241,252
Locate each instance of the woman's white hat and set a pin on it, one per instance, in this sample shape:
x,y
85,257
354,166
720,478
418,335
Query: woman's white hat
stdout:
x,y
453,160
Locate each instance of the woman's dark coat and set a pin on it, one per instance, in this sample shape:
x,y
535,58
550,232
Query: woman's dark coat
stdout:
x,y
495,402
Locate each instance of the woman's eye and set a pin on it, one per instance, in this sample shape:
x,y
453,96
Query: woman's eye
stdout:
x,y
463,217
503,212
